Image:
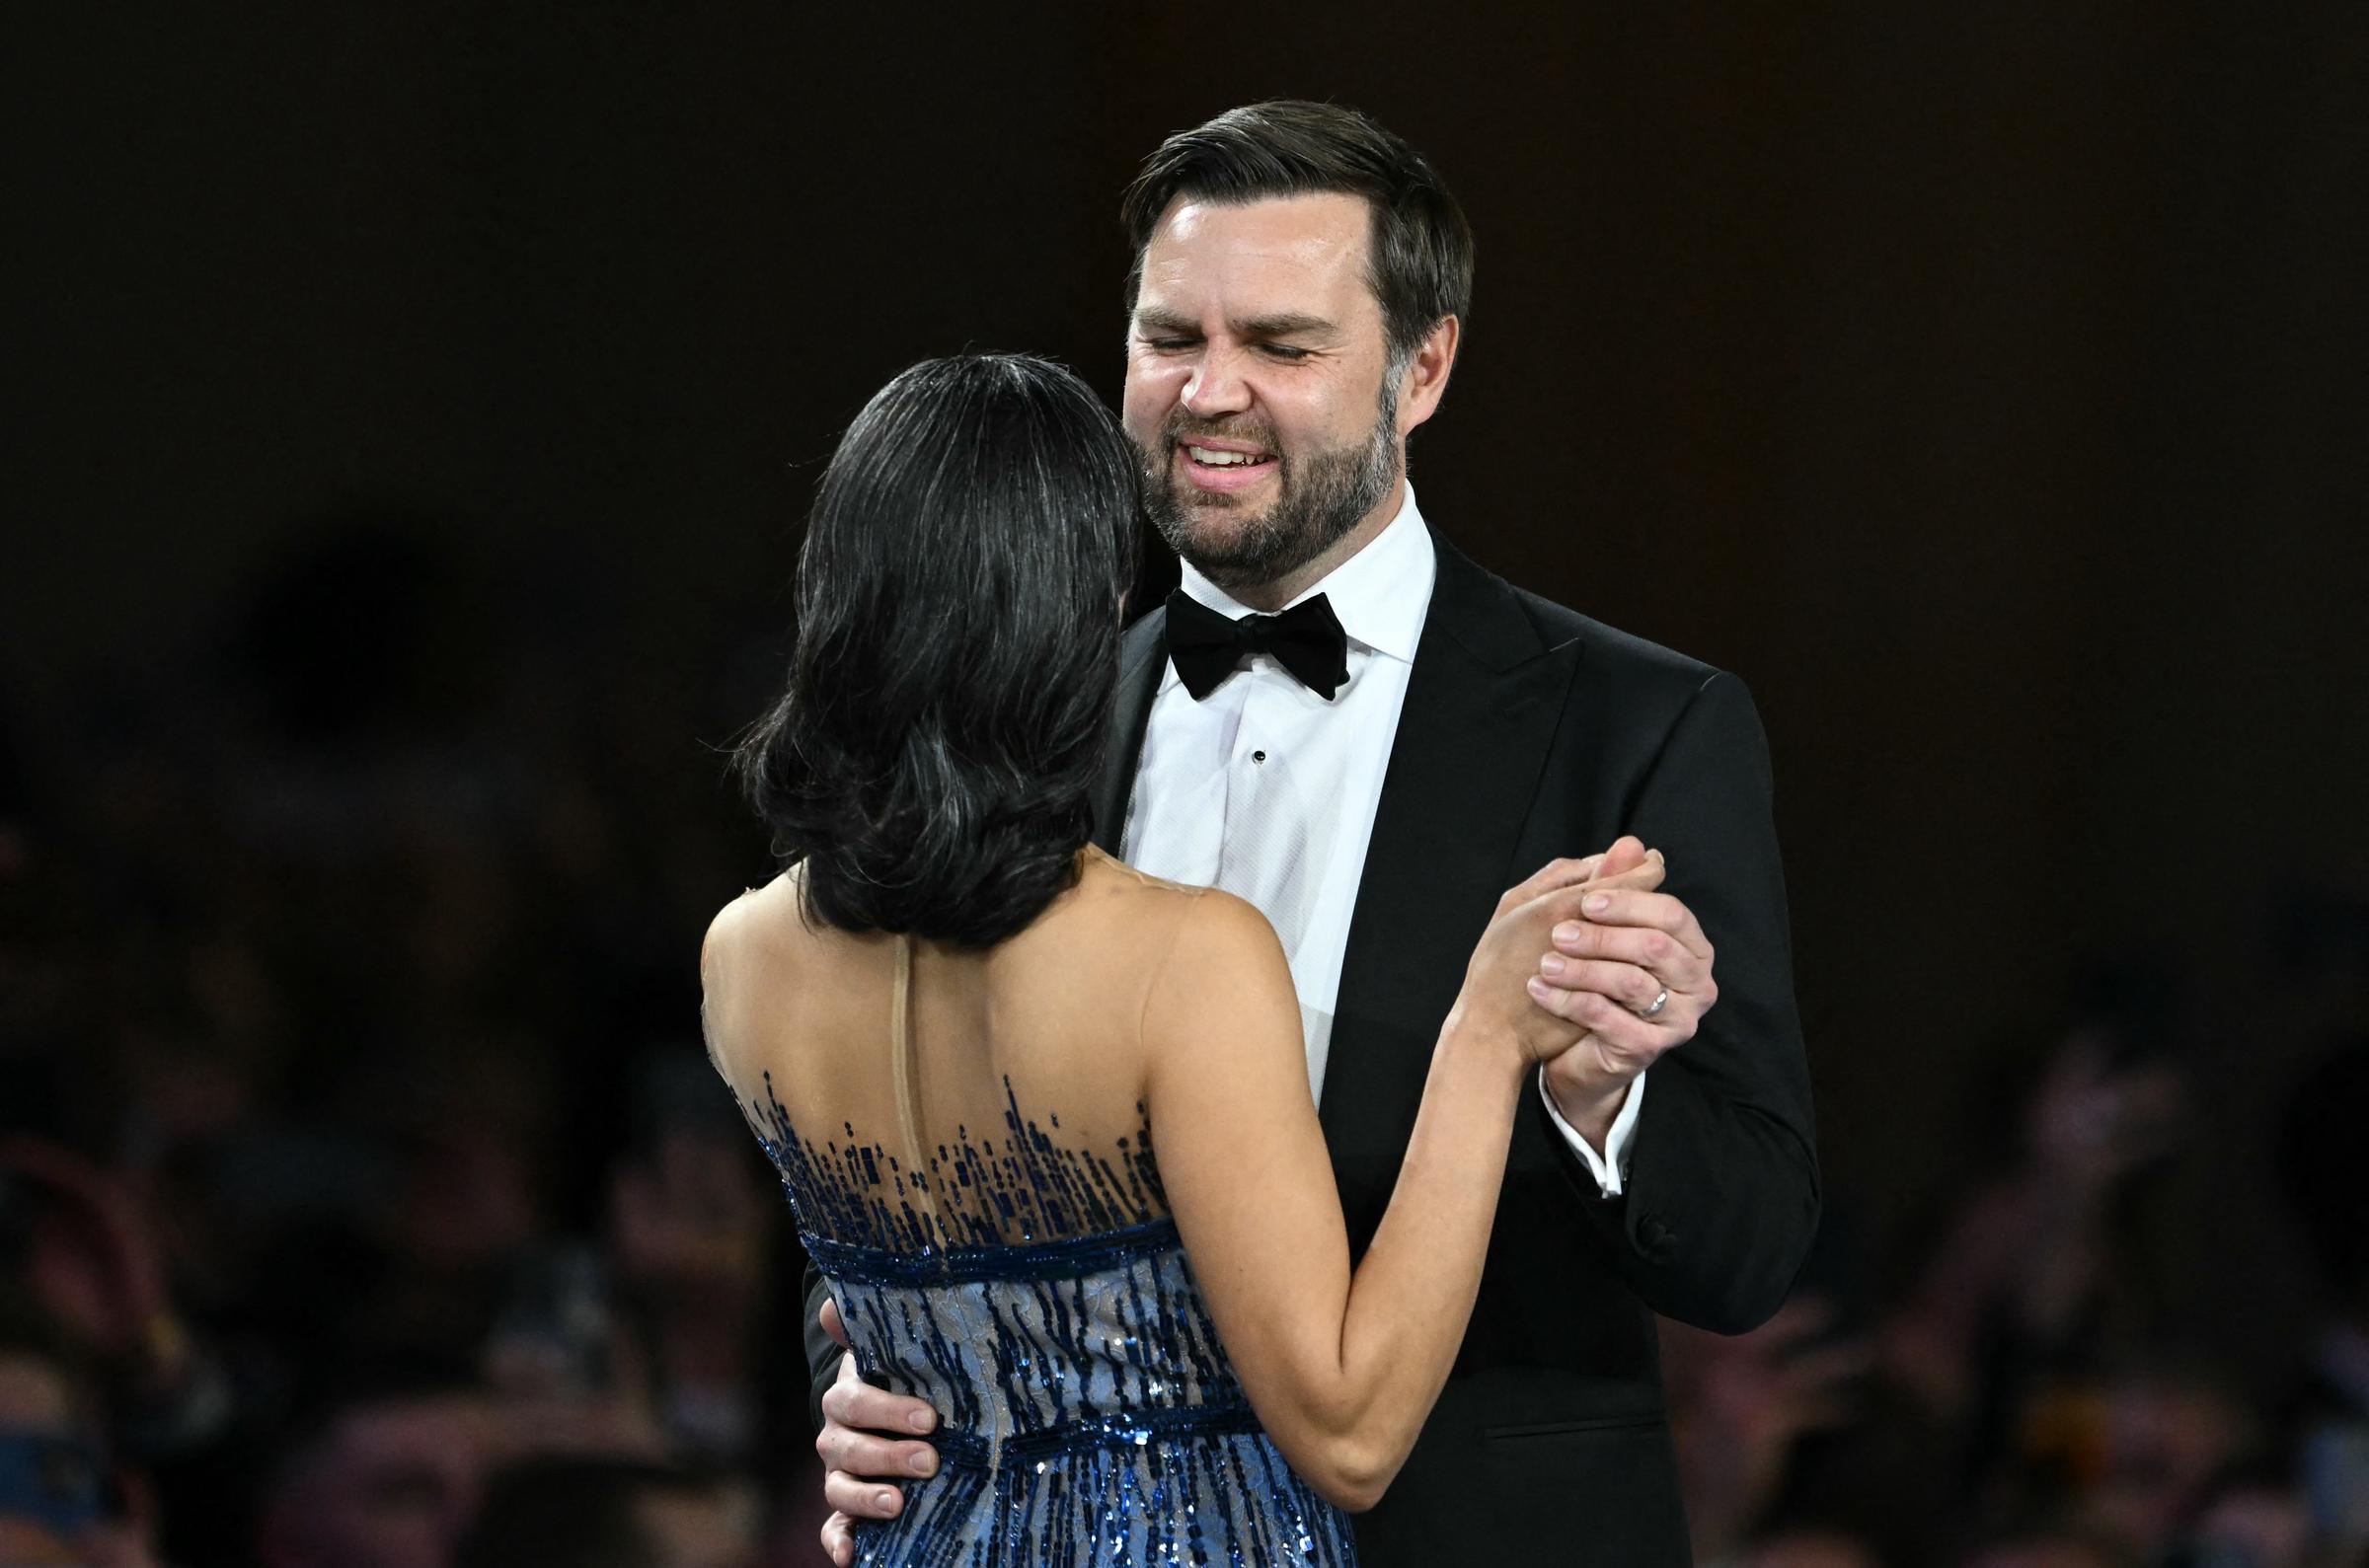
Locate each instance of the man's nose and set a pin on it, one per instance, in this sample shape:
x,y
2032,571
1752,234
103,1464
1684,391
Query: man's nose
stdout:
x,y
1216,385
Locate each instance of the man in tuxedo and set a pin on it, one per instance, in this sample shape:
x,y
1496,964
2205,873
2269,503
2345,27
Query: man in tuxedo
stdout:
x,y
1346,720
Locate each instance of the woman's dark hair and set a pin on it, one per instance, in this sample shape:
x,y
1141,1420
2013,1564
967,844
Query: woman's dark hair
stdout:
x,y
932,762
1419,252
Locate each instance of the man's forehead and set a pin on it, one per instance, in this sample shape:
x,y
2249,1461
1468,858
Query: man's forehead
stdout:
x,y
1335,213
1279,254
1310,230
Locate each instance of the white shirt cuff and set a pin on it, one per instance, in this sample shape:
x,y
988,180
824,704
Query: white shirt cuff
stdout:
x,y
1611,1167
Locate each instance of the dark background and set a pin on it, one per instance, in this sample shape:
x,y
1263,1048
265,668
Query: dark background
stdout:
x,y
1985,385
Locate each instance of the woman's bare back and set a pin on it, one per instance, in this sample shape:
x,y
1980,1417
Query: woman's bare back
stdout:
x,y
977,1099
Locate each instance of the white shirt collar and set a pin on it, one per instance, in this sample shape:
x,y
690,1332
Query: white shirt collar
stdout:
x,y
1379,594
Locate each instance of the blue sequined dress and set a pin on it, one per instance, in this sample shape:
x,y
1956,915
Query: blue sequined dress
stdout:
x,y
1037,1297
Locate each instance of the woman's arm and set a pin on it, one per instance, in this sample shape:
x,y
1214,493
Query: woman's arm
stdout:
x,y
1342,1368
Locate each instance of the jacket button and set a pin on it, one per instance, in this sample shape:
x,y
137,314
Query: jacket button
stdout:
x,y
1652,1235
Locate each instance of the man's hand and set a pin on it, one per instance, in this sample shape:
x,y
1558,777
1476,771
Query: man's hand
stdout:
x,y
859,1450
1506,959
1606,969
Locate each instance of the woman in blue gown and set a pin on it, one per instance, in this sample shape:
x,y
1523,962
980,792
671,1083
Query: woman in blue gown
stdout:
x,y
1044,1121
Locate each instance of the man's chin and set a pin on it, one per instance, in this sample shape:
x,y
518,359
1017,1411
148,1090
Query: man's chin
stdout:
x,y
1221,535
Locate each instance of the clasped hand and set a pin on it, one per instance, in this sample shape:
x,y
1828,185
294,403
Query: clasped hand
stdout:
x,y
1616,973
1603,974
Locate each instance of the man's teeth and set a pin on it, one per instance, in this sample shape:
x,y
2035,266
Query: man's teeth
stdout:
x,y
1216,459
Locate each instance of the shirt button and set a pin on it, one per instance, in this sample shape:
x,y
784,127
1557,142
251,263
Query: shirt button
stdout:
x,y
1257,756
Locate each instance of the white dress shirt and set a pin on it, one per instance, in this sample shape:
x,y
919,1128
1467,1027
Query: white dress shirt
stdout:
x,y
1315,760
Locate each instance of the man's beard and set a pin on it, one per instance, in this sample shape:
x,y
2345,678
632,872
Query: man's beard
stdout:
x,y
1322,495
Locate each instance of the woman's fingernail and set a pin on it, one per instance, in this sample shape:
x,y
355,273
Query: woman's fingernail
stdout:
x,y
1539,988
1568,932
924,1419
1598,904
1551,964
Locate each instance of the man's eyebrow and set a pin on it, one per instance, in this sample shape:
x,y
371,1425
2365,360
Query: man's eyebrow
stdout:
x,y
1152,318
1287,325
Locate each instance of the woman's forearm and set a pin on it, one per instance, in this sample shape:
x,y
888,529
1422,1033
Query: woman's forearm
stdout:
x,y
1412,1294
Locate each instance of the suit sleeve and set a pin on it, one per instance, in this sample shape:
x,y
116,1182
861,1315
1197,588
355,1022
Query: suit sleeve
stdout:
x,y
822,1351
1721,1196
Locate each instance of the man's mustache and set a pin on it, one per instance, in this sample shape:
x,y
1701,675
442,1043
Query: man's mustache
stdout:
x,y
1250,432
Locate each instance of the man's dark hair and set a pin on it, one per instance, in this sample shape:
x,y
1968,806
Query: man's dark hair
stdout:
x,y
932,762
1420,251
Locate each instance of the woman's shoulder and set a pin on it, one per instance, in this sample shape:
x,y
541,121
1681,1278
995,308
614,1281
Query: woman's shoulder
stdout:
x,y
1134,896
1187,915
758,917
1116,873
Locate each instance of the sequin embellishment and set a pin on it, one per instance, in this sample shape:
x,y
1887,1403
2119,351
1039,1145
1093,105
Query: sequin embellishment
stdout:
x,y
1089,1416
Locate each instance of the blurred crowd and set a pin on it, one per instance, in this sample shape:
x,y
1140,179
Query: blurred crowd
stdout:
x,y
2016,1392
366,1200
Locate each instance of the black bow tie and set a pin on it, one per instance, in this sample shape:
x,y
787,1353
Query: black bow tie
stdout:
x,y
1306,640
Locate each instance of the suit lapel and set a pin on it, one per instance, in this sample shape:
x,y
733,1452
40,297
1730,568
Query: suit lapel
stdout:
x,y
1142,659
1481,710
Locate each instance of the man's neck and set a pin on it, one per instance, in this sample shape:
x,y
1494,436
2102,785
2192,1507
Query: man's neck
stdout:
x,y
1276,592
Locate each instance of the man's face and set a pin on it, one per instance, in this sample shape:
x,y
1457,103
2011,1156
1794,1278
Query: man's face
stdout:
x,y
1259,386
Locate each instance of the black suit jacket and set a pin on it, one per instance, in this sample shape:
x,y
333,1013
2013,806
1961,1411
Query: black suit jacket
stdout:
x,y
1530,731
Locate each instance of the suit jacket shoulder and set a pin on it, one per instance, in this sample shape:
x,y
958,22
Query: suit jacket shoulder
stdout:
x,y
1636,680
1617,654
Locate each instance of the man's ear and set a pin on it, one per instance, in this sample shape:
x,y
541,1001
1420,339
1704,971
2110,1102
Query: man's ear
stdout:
x,y
1426,379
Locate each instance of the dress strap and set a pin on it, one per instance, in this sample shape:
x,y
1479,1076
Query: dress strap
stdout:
x,y
907,1076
